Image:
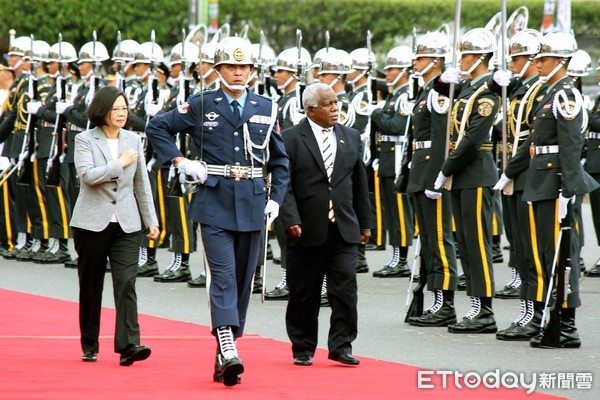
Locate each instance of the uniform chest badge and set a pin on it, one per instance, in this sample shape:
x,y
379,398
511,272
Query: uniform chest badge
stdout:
x,y
253,102
212,116
211,124
261,119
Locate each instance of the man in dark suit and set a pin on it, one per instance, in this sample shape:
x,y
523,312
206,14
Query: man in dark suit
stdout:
x,y
326,213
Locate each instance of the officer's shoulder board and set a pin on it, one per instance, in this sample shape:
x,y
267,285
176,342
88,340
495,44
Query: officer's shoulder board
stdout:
x,y
485,106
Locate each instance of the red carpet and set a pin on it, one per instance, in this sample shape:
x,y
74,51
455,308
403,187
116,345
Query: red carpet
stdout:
x,y
40,359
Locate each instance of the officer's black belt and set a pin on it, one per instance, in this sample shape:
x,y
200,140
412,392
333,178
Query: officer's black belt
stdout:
x,y
424,144
234,171
594,135
390,138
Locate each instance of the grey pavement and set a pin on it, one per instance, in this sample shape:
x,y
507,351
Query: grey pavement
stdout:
x,y
382,332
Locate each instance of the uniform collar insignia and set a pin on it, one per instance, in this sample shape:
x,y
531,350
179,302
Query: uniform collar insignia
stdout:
x,y
218,99
253,102
212,116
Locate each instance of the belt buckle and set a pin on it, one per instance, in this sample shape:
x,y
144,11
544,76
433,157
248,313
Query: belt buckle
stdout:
x,y
237,172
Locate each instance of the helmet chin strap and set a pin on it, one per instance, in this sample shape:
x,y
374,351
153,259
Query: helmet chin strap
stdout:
x,y
393,83
336,80
17,65
475,65
210,71
86,76
234,88
427,68
282,87
527,64
358,77
554,71
144,75
55,75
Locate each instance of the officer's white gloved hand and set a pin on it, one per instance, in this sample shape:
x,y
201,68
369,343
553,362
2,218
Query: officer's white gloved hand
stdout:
x,y
502,78
61,106
582,161
271,211
152,109
432,195
375,164
563,202
502,182
370,108
195,169
439,181
450,75
33,107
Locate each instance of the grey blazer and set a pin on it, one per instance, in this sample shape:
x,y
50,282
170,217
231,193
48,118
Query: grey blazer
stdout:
x,y
107,188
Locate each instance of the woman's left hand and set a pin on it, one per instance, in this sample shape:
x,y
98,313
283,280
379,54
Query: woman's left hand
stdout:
x,y
153,232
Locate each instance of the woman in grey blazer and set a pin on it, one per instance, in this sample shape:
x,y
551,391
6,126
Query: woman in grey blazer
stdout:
x,y
114,204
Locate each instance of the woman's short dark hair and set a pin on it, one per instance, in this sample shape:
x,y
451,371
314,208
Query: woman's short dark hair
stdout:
x,y
102,103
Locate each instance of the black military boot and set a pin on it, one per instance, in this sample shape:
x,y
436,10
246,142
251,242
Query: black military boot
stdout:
x,y
35,250
57,253
281,291
20,246
398,270
569,336
480,318
527,324
497,257
147,265
511,289
198,282
361,265
441,313
228,366
178,271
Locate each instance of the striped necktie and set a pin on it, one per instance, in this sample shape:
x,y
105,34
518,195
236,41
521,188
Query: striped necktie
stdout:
x,y
327,154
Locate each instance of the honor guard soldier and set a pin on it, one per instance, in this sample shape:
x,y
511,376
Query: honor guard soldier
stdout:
x,y
363,63
523,90
334,67
237,148
471,165
554,172
427,134
262,81
206,67
50,149
592,167
315,66
287,78
7,79
392,126
127,81
90,57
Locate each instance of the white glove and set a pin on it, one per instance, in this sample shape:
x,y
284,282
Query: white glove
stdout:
x,y
194,169
370,108
61,106
582,161
502,78
502,182
271,211
432,195
563,202
33,107
375,164
152,109
439,181
450,75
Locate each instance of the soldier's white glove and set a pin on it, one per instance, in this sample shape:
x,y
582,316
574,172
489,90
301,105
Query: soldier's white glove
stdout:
x,y
502,78
432,195
450,75
61,106
375,164
370,108
33,107
582,161
152,109
502,182
271,211
439,181
563,202
195,169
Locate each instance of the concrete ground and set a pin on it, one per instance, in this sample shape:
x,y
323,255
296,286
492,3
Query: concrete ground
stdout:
x,y
382,332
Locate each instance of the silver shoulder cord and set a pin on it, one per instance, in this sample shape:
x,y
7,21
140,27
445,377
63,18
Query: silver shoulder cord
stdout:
x,y
250,146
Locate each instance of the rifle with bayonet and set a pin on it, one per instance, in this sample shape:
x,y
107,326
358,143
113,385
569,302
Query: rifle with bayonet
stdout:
x,y
300,73
119,80
58,140
25,162
262,85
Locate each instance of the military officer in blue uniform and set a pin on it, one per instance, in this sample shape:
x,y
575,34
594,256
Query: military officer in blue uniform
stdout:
x,y
233,130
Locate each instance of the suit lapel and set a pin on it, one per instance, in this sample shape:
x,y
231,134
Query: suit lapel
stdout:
x,y
98,134
313,147
340,139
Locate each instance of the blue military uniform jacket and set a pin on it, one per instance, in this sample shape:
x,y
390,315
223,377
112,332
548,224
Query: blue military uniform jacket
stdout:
x,y
227,203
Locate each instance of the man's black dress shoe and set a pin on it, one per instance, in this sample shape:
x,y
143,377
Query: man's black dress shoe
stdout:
x,y
344,358
304,360
89,356
134,353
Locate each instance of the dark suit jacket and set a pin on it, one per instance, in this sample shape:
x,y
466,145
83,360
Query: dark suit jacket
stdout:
x,y
306,202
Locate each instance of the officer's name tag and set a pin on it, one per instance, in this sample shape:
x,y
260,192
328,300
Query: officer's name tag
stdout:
x,y
211,123
261,119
